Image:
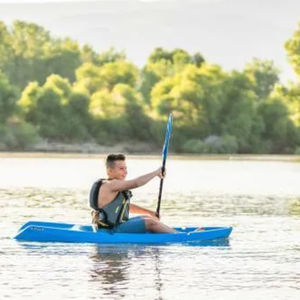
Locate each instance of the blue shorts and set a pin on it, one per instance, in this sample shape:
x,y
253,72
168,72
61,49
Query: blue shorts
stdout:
x,y
133,225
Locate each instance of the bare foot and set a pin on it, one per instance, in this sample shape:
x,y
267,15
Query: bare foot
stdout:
x,y
200,229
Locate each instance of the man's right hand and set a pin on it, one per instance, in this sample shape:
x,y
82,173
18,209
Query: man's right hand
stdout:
x,y
160,173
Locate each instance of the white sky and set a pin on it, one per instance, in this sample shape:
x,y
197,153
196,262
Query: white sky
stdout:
x,y
226,32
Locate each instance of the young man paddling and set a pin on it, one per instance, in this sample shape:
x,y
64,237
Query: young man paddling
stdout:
x,y
110,200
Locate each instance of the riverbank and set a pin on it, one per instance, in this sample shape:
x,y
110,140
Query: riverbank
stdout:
x,y
45,146
153,155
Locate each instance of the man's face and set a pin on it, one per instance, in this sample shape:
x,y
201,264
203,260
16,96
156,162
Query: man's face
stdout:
x,y
118,171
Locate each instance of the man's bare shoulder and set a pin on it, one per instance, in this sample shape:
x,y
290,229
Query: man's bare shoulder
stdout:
x,y
111,184
119,185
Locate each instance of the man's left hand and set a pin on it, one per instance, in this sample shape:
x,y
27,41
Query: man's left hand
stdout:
x,y
154,215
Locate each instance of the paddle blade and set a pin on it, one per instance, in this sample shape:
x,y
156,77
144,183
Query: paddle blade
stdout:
x,y
167,137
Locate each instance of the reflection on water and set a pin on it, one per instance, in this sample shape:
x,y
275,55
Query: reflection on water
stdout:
x,y
109,269
261,260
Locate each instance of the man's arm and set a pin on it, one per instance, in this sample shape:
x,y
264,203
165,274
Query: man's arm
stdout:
x,y
122,185
135,209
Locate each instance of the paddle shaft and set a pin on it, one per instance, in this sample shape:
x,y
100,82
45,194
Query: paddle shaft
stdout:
x,y
164,153
160,189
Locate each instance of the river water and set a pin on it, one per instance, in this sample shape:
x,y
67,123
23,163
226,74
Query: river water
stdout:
x,y
259,198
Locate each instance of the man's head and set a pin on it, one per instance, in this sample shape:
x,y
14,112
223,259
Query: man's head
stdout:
x,y
116,166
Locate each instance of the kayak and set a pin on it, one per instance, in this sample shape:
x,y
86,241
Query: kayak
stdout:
x,y
36,231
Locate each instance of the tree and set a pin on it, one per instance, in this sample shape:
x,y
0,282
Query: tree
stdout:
x,y
92,78
8,99
5,47
57,111
135,119
238,116
263,75
292,47
118,72
111,55
60,85
279,130
290,97
28,53
88,78
151,74
192,95
106,104
161,64
64,58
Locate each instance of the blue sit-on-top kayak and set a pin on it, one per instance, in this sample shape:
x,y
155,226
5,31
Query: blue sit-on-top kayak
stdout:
x,y
71,233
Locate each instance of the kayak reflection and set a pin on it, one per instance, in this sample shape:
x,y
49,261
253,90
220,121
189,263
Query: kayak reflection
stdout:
x,y
112,268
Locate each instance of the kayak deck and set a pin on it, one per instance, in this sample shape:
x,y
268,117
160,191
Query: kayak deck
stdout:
x,y
36,231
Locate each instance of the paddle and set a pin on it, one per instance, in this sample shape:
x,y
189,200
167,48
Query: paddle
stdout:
x,y
164,156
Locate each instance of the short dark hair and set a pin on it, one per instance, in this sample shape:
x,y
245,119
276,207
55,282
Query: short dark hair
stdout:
x,y
111,158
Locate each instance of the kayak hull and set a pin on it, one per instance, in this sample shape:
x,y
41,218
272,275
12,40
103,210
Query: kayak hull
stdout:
x,y
72,233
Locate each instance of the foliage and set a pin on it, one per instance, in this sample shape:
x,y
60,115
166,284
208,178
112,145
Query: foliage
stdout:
x,y
279,129
297,151
8,98
28,53
162,63
55,110
58,90
18,135
264,76
92,78
212,144
292,47
291,98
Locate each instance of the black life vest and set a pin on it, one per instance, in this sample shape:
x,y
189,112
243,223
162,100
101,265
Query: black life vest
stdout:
x,y
115,212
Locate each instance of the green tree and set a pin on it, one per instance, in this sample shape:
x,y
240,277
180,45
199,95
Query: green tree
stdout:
x,y
291,97
161,64
264,76
29,53
18,135
135,119
151,74
63,59
5,46
111,55
88,78
120,113
238,116
88,55
106,104
92,78
118,72
279,132
193,95
8,99
176,56
57,112
292,47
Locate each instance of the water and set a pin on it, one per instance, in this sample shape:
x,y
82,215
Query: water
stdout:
x,y
260,199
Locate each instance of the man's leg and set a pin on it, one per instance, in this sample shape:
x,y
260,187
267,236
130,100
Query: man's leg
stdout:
x,y
156,226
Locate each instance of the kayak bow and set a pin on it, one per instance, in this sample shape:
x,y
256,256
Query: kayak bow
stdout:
x,y
73,233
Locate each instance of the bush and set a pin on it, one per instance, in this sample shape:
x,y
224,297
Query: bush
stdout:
x,y
194,146
221,145
297,151
212,144
18,136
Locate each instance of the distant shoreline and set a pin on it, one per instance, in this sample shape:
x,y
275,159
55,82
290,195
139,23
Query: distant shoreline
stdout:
x,y
174,156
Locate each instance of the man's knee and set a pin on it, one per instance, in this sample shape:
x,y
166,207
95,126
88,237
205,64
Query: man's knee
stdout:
x,y
149,222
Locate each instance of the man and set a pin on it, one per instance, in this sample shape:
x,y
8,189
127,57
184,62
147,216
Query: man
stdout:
x,y
110,200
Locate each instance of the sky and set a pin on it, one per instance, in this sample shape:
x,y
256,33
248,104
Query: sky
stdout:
x,y
226,32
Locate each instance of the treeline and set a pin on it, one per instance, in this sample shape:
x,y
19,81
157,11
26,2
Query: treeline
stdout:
x,y
56,90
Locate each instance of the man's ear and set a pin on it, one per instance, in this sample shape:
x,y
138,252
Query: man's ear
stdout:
x,y
108,171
